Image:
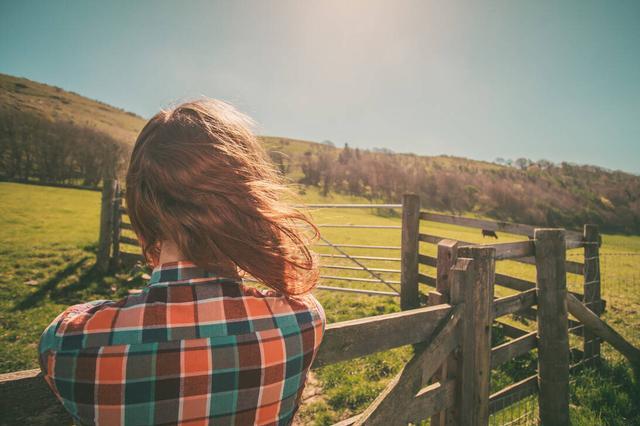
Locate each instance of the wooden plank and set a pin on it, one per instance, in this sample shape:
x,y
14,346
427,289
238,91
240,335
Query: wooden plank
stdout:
x,y
425,279
514,348
514,283
391,403
514,303
574,267
26,399
571,266
127,240
106,224
447,254
511,331
430,400
513,250
574,244
409,294
482,303
489,225
125,225
601,329
463,280
351,339
513,393
353,290
423,259
591,287
553,343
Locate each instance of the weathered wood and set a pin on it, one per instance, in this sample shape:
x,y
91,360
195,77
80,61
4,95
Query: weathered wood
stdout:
x,y
26,399
463,280
392,403
128,240
364,336
482,317
571,266
513,250
125,225
601,329
574,267
513,393
426,279
514,283
423,259
516,347
447,254
591,287
489,225
511,331
553,335
409,295
353,290
514,303
435,298
106,223
430,400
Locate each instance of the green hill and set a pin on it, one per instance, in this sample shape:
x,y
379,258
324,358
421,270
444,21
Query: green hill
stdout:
x,y
51,135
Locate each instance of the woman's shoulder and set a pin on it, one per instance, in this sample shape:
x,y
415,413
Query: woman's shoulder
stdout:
x,y
280,303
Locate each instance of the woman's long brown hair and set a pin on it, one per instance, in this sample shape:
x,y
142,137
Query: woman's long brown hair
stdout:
x,y
199,177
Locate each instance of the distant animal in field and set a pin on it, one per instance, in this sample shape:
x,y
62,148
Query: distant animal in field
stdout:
x,y
489,233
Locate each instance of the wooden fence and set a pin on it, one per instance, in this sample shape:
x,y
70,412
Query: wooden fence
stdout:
x,y
448,377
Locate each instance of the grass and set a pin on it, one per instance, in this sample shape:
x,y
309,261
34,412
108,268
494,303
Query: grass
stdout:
x,y
47,251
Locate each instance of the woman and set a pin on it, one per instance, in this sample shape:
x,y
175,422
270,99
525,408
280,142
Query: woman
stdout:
x,y
197,346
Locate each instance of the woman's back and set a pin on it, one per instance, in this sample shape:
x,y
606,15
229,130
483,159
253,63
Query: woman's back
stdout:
x,y
193,348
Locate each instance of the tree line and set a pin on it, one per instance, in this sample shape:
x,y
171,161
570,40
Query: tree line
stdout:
x,y
58,152
540,193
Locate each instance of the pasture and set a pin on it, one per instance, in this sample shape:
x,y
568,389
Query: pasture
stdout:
x,y
47,248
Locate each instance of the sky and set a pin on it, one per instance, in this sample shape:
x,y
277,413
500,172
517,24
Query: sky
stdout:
x,y
478,79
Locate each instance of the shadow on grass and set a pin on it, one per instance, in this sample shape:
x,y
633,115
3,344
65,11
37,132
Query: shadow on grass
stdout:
x,y
89,282
51,285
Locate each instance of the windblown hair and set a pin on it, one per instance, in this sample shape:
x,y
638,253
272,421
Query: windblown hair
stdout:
x,y
200,178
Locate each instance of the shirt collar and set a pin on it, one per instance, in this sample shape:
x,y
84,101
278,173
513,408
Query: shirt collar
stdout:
x,y
182,270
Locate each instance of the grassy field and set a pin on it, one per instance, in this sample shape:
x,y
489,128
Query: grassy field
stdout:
x,y
47,250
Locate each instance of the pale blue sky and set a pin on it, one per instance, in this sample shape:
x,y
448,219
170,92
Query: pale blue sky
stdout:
x,y
537,79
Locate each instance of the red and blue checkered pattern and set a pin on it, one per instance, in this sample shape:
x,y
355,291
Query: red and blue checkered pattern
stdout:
x,y
193,348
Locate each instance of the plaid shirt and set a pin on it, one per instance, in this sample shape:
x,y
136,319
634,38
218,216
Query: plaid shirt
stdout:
x,y
192,349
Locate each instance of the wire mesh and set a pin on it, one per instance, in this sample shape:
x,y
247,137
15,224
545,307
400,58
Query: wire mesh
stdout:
x,y
518,409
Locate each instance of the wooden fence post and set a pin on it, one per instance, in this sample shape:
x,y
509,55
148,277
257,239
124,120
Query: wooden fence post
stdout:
x,y
409,296
106,222
476,336
447,254
553,335
592,297
117,221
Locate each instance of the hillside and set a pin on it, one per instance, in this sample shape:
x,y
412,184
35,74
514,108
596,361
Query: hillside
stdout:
x,y
50,135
